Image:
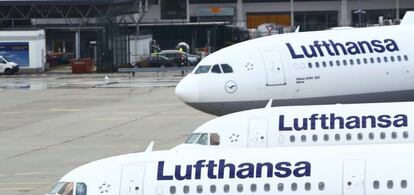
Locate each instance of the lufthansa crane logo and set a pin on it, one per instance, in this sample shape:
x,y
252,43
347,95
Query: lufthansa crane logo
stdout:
x,y
230,87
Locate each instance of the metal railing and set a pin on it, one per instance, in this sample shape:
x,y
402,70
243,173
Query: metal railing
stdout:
x,y
161,69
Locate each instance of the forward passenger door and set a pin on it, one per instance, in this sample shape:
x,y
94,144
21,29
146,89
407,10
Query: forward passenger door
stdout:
x,y
257,133
353,182
275,72
132,182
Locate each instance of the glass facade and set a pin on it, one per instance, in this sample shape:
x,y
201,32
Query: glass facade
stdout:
x,y
367,17
320,20
173,9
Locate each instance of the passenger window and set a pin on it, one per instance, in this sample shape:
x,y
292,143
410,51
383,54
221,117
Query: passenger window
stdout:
x,y
338,63
294,186
376,184
360,136
81,189
321,186
240,188
348,136
382,135
326,137
392,59
358,61
372,60
214,139
173,190
324,64
267,187
310,64
186,189
351,61
399,58
292,138
303,138
216,69
307,186
226,68
203,140
253,187
394,135
317,64
344,62
226,188
202,69
404,184
385,59
337,137
199,189
365,61
213,188
315,138
371,136
390,184
378,59
331,63
405,134
405,57
280,187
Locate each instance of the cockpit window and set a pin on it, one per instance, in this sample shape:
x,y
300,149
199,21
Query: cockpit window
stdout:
x,y
203,140
57,188
202,69
62,188
216,69
81,189
226,68
193,138
214,139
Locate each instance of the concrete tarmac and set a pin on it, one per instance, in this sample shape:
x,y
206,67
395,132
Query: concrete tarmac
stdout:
x,y
46,133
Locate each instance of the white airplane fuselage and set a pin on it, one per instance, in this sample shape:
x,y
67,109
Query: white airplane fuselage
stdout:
x,y
286,126
356,65
333,170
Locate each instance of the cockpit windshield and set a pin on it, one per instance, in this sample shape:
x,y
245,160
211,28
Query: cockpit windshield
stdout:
x,y
204,139
202,69
193,138
217,68
66,188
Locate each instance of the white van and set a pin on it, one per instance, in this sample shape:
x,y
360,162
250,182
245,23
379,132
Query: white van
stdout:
x,y
8,67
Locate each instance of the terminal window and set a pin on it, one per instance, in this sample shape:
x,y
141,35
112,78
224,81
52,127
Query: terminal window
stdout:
x,y
173,9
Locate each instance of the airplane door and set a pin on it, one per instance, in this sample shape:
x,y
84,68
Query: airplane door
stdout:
x,y
132,182
354,177
275,72
257,133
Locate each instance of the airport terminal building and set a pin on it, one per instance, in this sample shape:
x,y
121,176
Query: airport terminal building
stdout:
x,y
119,32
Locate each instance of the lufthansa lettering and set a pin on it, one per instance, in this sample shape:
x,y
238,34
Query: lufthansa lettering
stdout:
x,y
332,48
222,170
331,121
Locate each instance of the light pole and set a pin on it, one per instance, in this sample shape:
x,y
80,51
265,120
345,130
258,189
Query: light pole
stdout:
x,y
397,7
360,12
292,15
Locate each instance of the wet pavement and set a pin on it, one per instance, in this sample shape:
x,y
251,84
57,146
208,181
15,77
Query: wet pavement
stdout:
x,y
53,123
43,81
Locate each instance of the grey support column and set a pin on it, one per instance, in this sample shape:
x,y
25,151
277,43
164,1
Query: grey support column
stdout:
x,y
77,43
397,7
292,15
239,11
344,13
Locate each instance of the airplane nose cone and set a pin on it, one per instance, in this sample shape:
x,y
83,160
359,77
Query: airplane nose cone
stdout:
x,y
187,89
